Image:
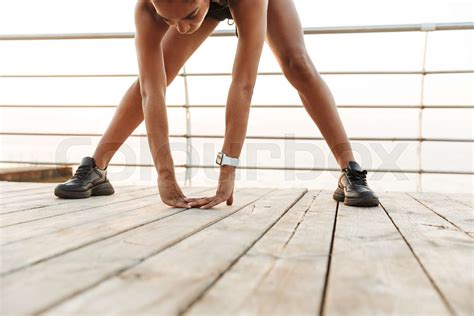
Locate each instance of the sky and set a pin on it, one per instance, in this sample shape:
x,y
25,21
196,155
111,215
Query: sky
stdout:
x,y
65,16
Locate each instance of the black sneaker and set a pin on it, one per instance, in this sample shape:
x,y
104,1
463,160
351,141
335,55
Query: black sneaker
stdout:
x,y
352,188
88,180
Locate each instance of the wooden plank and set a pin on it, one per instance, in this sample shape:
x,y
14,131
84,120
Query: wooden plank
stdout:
x,y
122,193
166,283
46,192
466,199
35,229
12,196
284,272
121,217
129,201
373,270
51,282
456,213
445,252
20,206
10,186
20,225
51,201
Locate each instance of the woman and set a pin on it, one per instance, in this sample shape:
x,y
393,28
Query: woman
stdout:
x,y
167,34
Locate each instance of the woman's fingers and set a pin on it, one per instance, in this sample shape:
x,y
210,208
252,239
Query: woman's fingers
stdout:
x,y
190,199
181,203
213,203
201,201
208,202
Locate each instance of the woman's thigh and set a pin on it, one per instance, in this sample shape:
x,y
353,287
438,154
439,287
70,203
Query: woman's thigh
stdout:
x,y
177,48
284,32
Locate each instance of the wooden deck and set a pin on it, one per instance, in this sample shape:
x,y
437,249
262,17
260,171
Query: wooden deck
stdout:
x,y
274,252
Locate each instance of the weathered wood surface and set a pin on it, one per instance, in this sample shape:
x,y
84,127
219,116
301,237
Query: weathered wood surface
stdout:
x,y
6,186
52,208
273,252
284,272
457,214
50,282
443,250
466,199
79,229
373,271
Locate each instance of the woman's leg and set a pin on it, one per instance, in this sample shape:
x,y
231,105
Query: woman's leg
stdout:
x,y
177,48
285,38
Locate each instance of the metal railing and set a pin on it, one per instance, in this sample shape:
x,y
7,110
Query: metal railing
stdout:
x,y
426,28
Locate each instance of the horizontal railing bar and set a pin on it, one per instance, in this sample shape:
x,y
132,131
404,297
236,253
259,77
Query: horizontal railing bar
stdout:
x,y
224,74
248,167
408,139
67,36
336,169
263,106
72,76
74,134
423,27
420,27
382,72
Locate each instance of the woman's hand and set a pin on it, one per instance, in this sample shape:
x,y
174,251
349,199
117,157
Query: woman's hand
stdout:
x,y
224,191
171,193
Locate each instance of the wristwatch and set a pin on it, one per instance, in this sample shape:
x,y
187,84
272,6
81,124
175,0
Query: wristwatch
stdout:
x,y
223,159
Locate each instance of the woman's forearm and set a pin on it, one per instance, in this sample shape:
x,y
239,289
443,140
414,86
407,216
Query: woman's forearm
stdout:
x,y
156,122
236,118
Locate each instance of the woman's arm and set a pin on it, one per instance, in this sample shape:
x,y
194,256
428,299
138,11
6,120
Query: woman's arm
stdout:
x,y
150,30
251,20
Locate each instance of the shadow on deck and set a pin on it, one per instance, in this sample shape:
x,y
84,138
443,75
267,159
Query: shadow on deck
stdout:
x,y
275,251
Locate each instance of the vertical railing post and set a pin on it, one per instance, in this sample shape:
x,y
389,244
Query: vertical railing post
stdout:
x,y
189,151
424,28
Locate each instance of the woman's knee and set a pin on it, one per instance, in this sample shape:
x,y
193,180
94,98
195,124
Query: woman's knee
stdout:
x,y
297,66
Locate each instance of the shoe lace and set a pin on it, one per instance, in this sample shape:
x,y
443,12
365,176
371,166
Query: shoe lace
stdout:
x,y
358,177
82,172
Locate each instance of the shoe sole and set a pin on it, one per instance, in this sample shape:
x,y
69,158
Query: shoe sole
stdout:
x,y
339,196
100,189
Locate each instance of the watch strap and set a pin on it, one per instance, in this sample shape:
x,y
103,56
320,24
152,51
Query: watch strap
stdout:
x,y
226,160
223,159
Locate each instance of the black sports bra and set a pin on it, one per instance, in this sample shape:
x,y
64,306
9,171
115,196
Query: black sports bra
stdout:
x,y
220,10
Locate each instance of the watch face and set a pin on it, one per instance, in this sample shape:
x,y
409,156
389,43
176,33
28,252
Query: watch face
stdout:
x,y
219,158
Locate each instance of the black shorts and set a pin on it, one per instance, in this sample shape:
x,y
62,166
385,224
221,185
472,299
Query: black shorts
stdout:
x,y
219,12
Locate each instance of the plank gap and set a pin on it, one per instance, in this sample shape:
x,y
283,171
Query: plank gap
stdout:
x,y
86,244
141,260
440,215
72,212
433,283
55,199
328,267
187,307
